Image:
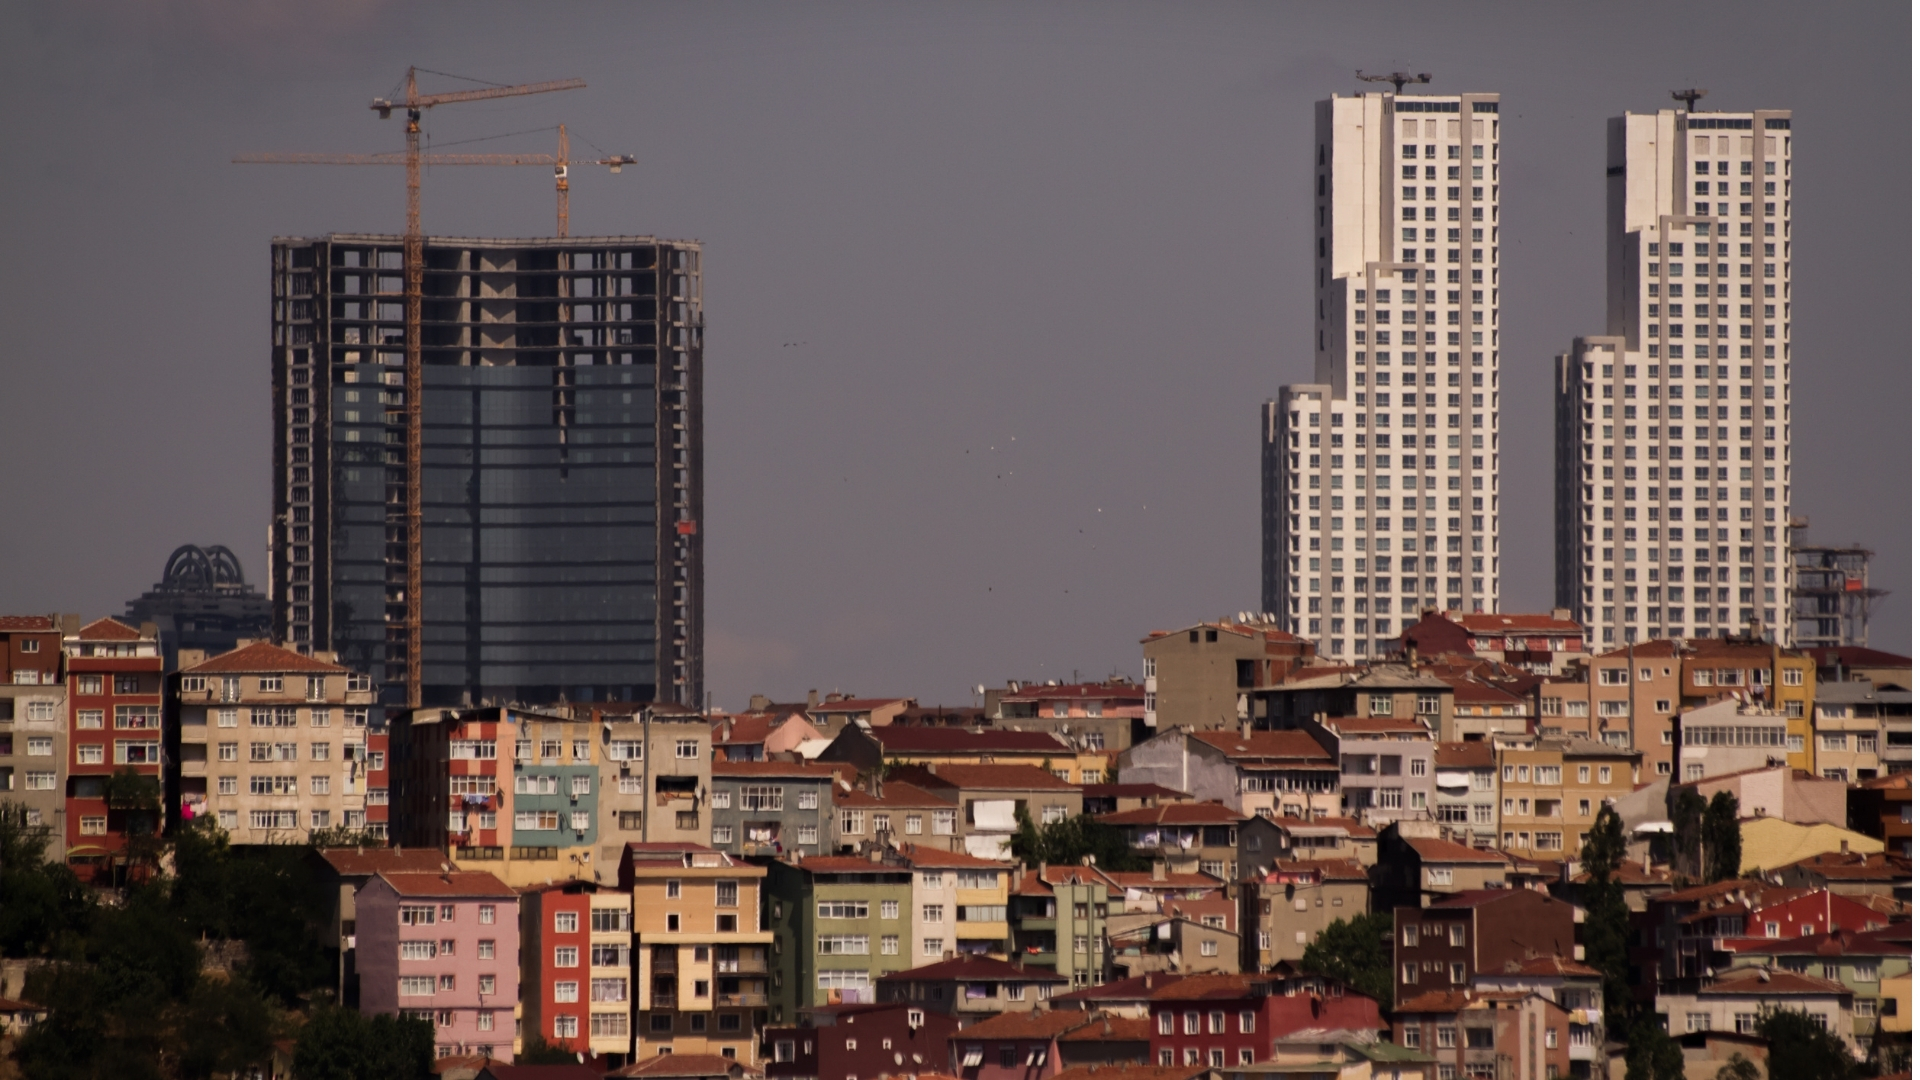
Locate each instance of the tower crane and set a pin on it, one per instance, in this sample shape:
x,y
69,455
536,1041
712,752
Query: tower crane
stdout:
x,y
415,103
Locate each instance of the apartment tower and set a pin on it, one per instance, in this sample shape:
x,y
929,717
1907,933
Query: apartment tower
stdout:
x,y
561,471
1381,478
1673,447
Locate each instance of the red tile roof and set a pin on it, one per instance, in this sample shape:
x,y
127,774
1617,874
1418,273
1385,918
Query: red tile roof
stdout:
x,y
1259,746
1549,965
1463,755
261,656
1832,943
26,622
942,740
1329,869
1025,1024
1180,813
553,1072
820,771
892,793
1314,826
681,1065
1132,1072
848,864
1433,849
1209,987
1131,791
1077,691
1107,1027
974,969
1775,981
921,855
1855,866
1436,1001
1476,897
985,777
108,629
1144,879
1487,623
1137,988
356,862
459,883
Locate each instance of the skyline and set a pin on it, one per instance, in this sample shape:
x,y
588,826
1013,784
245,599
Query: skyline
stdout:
x,y
874,214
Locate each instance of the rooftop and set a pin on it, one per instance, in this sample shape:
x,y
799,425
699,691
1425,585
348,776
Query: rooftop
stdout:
x,y
799,769
1179,813
989,777
1239,747
359,862
1433,849
1463,755
457,883
1027,1024
262,656
974,969
1744,981
938,740
108,629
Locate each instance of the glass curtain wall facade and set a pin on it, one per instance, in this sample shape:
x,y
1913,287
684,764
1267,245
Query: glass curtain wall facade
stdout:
x,y
560,471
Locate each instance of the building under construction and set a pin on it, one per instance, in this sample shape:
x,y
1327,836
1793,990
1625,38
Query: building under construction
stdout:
x,y
1832,598
559,475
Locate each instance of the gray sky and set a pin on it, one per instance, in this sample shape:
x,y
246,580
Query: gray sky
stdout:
x,y
1040,265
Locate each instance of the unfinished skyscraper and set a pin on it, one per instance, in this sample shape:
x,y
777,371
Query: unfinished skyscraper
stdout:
x,y
560,472
1390,459
1832,597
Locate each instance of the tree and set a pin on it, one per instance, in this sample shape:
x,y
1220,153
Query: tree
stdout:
x,y
44,909
1799,1048
340,1044
1069,842
1688,810
1738,1067
1356,952
1721,832
536,1050
1652,1054
1607,929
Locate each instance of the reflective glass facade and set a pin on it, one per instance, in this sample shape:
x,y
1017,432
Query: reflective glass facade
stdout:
x,y
560,467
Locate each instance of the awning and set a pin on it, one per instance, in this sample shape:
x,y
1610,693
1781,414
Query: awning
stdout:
x,y
995,815
974,1055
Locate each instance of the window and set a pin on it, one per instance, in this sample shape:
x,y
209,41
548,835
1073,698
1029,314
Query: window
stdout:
x,y
416,986
687,748
853,822
847,909
943,822
913,824
1166,1023
1049,815
1443,1037
1457,936
761,797
726,894
889,944
417,914
806,799
933,913
1439,875
932,946
94,754
91,824
723,834
566,956
1207,948
566,922
486,916
1409,972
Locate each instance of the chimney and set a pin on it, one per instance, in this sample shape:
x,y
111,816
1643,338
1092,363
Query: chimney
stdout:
x,y
1843,846
1563,614
874,855
1246,729
813,698
1159,869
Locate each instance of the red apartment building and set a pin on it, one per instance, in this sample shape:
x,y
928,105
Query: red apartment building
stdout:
x,y
1442,947
857,1041
114,708
576,956
1225,1020
1696,930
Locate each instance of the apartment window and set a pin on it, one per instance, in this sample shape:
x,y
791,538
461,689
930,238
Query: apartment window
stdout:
x,y
1191,1024
932,946
889,944
566,922
853,822
687,748
943,821
416,986
1457,936
1458,973
807,834
90,824
566,956
228,785
1166,1023
1409,973
485,949
933,913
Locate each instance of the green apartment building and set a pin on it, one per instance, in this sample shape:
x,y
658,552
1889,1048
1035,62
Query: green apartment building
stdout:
x,y
1058,916
839,923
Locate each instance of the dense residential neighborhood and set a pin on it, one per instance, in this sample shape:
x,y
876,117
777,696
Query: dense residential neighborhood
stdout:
x,y
1352,863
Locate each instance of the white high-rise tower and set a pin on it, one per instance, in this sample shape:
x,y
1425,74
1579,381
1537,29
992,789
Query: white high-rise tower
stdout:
x,y
1673,449
1381,478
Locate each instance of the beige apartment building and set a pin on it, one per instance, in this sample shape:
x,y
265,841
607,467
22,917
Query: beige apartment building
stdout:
x,y
656,776
272,743
701,957
1198,677
1552,788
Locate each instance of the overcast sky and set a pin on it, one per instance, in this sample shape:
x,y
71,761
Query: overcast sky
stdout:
x,y
994,291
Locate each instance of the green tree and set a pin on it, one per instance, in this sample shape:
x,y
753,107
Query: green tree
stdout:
x,y
1608,927
1799,1048
536,1050
1688,811
1652,1054
1721,831
263,896
44,909
1738,1067
1069,842
340,1044
1356,951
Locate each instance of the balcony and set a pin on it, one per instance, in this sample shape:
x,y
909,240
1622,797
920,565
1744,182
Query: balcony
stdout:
x,y
666,1001
743,1001
746,965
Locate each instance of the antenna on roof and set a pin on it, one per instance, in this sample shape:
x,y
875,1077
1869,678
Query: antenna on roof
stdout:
x,y
1690,95
1398,78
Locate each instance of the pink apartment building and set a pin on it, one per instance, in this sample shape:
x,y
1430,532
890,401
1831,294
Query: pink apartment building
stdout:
x,y
445,947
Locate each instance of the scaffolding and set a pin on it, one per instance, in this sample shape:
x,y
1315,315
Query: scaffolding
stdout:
x,y
1832,599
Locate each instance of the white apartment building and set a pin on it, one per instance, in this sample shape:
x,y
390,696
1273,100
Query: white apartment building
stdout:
x,y
1381,478
1673,444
